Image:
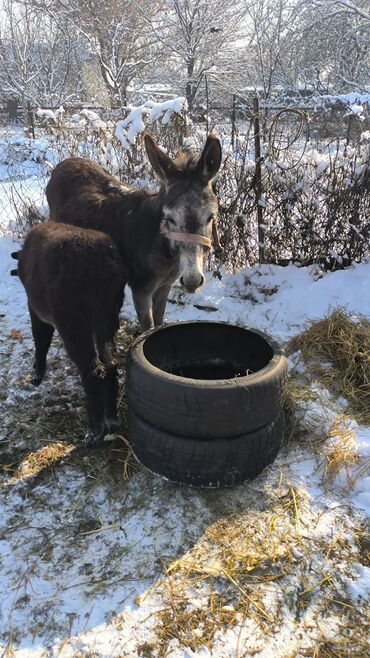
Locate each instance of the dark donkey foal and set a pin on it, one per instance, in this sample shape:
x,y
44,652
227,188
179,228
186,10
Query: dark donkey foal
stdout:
x,y
160,237
73,281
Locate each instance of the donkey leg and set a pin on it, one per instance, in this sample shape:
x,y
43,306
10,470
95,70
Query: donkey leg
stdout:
x,y
108,325
105,349
93,383
143,305
79,342
159,304
42,335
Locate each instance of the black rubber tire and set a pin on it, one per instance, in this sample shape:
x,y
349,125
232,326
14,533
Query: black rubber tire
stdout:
x,y
208,463
205,408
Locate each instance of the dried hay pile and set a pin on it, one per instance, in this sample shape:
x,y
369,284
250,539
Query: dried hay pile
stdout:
x,y
344,341
251,571
336,352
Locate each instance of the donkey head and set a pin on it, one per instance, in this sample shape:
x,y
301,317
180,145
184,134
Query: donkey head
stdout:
x,y
189,205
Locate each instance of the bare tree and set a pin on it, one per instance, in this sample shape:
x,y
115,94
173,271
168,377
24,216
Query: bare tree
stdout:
x,y
294,43
196,37
332,49
359,8
270,29
195,48
37,56
115,34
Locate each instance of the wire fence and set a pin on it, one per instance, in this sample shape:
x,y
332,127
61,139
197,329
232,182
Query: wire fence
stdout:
x,y
285,192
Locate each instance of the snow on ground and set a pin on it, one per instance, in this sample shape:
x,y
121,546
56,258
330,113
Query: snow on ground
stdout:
x,y
93,564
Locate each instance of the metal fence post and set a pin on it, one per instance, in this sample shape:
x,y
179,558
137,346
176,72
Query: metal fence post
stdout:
x,y
233,120
258,180
207,105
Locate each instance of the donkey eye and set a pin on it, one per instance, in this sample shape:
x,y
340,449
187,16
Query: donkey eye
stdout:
x,y
170,220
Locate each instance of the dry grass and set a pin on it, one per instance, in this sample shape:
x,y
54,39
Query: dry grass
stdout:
x,y
334,446
222,582
44,458
194,628
341,449
362,539
296,392
125,456
328,648
235,559
345,343
336,351
212,589
44,429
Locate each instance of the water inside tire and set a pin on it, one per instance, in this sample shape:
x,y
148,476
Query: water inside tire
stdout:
x,y
207,350
216,369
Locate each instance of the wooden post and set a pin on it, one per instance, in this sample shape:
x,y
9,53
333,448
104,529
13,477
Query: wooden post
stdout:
x,y
349,128
30,120
258,180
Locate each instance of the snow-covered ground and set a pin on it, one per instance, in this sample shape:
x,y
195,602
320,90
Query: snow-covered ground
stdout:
x,y
93,564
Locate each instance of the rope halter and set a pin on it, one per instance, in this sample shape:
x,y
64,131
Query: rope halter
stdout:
x,y
193,238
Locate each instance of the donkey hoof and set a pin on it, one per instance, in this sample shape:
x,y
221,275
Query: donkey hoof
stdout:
x,y
112,426
36,381
91,440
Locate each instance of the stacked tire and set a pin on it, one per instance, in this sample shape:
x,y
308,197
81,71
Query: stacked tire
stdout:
x,y
205,432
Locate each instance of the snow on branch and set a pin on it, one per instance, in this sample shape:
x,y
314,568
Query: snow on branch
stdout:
x,y
344,5
352,98
93,119
135,123
53,116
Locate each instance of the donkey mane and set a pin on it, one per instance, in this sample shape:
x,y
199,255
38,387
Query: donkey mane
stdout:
x,y
186,161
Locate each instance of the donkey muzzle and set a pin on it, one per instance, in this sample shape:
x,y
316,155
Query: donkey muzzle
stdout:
x,y
192,285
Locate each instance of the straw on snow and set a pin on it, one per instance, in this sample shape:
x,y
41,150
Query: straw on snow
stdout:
x,y
344,340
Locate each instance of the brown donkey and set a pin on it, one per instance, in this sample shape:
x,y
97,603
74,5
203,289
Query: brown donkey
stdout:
x,y
73,281
160,237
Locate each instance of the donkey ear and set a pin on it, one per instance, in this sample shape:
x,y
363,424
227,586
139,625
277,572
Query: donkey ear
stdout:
x,y
210,160
162,164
